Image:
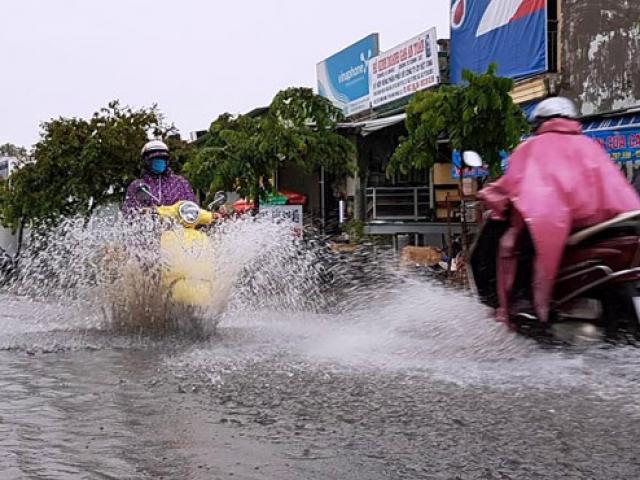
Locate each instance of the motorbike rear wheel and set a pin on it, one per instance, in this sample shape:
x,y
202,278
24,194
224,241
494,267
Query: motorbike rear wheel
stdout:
x,y
621,311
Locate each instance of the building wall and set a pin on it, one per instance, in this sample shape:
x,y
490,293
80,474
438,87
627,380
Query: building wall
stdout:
x,y
7,165
600,54
8,241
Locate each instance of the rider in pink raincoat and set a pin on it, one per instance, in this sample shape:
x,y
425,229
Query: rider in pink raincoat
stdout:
x,y
557,182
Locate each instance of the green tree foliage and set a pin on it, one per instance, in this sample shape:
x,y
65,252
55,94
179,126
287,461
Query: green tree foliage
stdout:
x,y
11,150
181,151
479,115
79,164
242,153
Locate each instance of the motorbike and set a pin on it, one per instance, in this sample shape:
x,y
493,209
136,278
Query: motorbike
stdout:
x,y
187,271
598,282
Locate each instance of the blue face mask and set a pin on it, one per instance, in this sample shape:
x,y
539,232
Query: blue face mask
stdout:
x,y
158,166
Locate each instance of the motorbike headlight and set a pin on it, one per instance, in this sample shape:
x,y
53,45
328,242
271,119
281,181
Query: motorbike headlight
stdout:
x,y
189,213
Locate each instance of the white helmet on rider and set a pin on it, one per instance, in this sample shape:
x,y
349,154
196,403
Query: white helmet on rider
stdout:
x,y
554,107
155,156
154,146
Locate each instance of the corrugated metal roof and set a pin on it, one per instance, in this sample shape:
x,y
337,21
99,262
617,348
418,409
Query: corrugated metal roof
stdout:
x,y
613,123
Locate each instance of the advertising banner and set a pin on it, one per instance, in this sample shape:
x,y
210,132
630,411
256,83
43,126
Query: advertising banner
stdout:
x,y
480,172
511,33
344,77
456,166
622,145
405,69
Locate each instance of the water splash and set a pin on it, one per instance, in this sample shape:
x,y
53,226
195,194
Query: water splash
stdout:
x,y
109,271
415,330
351,309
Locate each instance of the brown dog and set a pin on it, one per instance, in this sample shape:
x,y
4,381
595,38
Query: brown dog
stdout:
x,y
420,256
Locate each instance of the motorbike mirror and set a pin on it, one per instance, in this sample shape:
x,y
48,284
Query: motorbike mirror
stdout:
x,y
472,159
144,194
219,199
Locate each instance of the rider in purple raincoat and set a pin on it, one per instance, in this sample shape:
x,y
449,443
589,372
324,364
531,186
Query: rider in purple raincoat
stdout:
x,y
165,187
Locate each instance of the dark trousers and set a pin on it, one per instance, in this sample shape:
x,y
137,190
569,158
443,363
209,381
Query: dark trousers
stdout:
x,y
521,295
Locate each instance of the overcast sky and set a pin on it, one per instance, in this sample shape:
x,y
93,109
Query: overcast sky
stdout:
x,y
194,58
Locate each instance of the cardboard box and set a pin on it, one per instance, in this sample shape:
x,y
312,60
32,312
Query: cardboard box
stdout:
x,y
442,174
441,194
470,186
441,214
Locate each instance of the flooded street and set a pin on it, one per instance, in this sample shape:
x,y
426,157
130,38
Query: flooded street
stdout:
x,y
416,384
320,367
359,241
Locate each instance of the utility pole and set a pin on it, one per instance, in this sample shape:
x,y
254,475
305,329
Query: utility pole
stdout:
x,y
322,200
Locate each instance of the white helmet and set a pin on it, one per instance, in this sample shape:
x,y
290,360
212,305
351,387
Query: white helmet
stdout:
x,y
554,107
154,146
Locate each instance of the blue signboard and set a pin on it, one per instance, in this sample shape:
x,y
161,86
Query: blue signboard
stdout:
x,y
511,33
344,77
456,164
480,172
622,145
619,136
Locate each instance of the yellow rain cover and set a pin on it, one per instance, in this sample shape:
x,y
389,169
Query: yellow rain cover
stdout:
x,y
187,266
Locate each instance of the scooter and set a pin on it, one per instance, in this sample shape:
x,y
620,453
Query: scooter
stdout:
x,y
599,278
187,269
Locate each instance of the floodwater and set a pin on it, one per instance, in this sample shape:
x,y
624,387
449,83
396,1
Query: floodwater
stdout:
x,y
397,379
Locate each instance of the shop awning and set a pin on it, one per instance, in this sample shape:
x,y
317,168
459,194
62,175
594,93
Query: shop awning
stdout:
x,y
369,126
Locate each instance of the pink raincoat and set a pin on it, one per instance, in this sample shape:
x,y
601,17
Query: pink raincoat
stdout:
x,y
558,182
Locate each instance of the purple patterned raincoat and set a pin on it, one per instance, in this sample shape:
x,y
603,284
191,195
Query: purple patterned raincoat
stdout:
x,y
168,188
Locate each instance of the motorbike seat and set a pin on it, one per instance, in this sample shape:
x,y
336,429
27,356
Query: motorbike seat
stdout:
x,y
627,223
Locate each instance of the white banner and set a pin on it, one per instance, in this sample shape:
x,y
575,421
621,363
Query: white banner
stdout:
x,y
405,69
291,213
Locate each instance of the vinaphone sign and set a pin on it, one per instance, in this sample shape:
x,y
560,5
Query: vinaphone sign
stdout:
x,y
343,78
360,78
